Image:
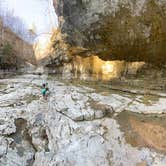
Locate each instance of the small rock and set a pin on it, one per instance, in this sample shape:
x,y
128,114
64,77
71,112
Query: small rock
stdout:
x,y
99,114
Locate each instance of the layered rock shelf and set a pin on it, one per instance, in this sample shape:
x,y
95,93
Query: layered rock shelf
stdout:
x,y
77,125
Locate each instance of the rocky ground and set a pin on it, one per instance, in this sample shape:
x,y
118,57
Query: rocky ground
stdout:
x,y
78,125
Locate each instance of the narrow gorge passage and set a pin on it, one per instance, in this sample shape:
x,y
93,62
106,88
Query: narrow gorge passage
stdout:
x,y
82,83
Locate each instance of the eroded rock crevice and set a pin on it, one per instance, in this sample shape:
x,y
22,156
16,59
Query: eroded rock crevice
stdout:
x,y
22,141
25,142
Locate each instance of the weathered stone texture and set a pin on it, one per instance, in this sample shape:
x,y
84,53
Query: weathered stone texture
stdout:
x,y
116,29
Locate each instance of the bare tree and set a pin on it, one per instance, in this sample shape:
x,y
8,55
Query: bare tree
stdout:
x,y
16,24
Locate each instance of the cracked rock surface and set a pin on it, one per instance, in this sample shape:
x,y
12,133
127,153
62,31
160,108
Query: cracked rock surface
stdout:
x,y
75,126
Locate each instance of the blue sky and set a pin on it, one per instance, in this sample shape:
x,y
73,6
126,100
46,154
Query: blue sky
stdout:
x,y
33,12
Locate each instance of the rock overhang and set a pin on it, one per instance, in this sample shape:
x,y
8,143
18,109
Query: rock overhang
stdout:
x,y
115,30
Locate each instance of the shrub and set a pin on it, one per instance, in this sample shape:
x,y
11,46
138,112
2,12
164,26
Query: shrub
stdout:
x,y
7,49
7,57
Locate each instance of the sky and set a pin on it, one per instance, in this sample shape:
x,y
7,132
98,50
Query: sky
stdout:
x,y
38,13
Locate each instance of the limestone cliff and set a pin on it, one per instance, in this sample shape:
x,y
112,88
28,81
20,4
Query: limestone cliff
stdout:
x,y
19,50
116,29
55,53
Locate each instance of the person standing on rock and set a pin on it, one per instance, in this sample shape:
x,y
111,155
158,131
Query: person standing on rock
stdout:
x,y
43,91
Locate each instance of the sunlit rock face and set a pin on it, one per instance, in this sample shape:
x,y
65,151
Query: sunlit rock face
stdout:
x,y
94,68
53,51
41,48
116,29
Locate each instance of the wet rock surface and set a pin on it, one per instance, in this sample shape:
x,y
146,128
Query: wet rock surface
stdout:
x,y
144,130
75,126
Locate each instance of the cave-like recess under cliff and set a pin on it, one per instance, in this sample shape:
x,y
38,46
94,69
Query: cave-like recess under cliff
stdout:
x,y
131,30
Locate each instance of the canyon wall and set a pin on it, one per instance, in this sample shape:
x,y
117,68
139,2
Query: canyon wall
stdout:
x,y
56,51
20,49
116,29
93,68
